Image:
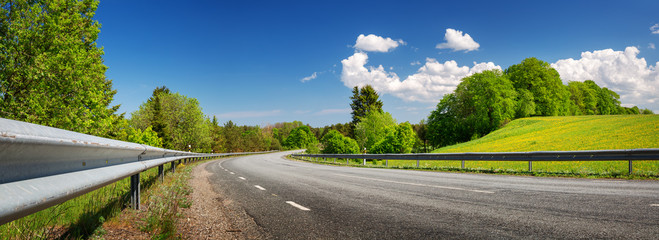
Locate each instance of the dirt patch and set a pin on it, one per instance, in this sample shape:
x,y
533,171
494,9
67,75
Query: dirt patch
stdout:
x,y
211,216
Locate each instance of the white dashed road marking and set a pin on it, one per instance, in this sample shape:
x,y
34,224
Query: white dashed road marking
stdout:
x,y
259,187
654,205
298,206
242,178
231,172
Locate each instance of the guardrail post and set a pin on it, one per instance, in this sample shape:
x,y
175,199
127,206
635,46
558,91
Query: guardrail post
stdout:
x,y
161,173
386,162
135,191
530,166
417,163
173,166
463,164
630,166
364,161
347,161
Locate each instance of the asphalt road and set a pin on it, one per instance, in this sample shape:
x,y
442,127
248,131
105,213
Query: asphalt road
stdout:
x,y
300,200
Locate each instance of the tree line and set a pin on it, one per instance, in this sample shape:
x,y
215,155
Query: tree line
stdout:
x,y
483,102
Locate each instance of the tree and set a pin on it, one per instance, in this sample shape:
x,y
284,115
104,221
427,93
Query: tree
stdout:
x,y
301,137
399,139
373,127
543,82
185,124
480,104
335,143
51,71
364,100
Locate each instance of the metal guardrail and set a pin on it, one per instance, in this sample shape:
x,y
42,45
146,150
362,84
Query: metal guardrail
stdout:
x,y
595,155
44,166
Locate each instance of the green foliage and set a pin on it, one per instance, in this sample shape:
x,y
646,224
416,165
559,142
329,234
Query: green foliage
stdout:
x,y
543,82
301,137
399,139
337,143
180,118
148,137
486,101
373,127
481,103
364,100
52,72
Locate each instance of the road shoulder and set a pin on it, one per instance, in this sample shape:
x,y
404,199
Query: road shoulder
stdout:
x,y
211,215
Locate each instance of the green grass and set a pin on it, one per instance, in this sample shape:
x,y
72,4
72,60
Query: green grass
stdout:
x,y
555,134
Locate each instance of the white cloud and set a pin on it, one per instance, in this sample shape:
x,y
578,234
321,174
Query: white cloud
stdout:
x,y
429,84
457,41
373,43
249,114
415,63
651,46
655,29
623,72
333,111
313,76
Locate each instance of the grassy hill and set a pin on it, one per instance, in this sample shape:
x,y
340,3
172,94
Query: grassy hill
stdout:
x,y
568,133
563,134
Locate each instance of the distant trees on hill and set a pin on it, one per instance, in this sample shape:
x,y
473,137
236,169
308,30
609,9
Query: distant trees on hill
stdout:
x,y
485,101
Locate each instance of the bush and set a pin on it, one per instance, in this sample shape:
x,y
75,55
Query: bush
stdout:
x,y
335,142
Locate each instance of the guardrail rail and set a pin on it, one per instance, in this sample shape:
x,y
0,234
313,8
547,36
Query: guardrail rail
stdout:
x,y
596,155
43,166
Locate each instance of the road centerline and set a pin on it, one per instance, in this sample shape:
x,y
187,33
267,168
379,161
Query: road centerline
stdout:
x,y
259,187
418,184
242,178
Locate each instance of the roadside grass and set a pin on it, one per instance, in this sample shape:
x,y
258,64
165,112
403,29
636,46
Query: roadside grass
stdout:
x,y
163,204
553,134
81,217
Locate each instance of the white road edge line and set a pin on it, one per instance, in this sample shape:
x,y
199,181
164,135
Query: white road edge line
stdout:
x,y
259,187
298,206
242,178
419,184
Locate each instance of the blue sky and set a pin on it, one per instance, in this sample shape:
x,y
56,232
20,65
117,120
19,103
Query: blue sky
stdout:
x,y
245,60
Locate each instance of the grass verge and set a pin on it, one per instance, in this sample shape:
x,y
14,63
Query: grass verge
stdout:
x,y
616,170
84,216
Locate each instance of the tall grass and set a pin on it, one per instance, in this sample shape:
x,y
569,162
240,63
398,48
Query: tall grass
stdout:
x,y
78,218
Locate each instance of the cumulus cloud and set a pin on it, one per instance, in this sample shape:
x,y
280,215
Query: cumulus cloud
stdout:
x,y
429,84
457,41
373,43
314,75
651,46
655,29
621,71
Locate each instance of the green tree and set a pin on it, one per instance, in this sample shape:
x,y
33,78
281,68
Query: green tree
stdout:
x,y
398,139
301,137
51,70
543,82
480,104
364,100
184,122
335,143
373,127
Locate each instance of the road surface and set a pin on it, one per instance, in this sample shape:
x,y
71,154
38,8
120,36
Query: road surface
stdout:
x,y
300,200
